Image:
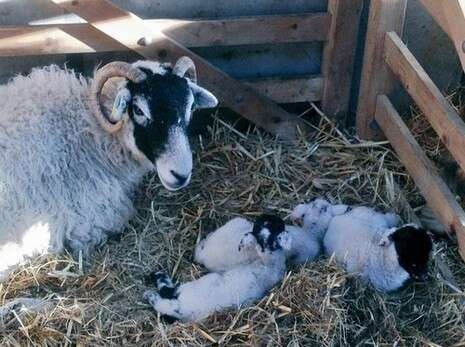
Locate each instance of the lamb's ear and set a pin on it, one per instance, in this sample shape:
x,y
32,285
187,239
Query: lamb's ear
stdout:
x,y
248,241
339,209
298,212
202,97
285,240
120,105
386,239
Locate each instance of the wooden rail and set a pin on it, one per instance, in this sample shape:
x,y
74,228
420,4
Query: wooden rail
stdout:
x,y
438,196
132,32
440,113
450,15
83,38
388,59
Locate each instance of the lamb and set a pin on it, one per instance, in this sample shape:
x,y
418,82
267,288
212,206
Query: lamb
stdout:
x,y
218,253
73,151
238,286
369,243
305,246
316,215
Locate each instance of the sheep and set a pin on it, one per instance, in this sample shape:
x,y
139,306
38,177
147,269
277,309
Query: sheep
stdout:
x,y
241,285
218,253
74,150
316,215
370,244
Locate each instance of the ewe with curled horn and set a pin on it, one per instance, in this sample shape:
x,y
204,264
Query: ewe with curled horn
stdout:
x,y
110,123
185,66
69,169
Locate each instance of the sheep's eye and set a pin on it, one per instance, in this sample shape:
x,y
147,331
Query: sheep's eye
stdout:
x,y
137,110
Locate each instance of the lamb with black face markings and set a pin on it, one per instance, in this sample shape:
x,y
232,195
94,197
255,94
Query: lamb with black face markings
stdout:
x,y
236,287
369,243
73,151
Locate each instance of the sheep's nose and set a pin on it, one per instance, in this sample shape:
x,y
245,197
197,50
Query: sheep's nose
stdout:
x,y
181,179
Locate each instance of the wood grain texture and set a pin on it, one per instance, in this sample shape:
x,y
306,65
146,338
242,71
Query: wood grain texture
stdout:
x,y
83,38
439,112
289,90
437,195
450,15
384,16
339,56
128,30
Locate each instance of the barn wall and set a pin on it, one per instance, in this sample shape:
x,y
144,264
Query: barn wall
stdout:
x,y
422,36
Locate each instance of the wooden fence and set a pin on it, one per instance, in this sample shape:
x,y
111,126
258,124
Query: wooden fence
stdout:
x,y
387,59
110,28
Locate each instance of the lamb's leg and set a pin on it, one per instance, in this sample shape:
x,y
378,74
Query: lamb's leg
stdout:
x,y
169,308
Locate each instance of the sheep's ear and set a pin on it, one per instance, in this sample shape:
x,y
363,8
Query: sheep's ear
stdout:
x,y
120,105
339,209
386,239
285,241
202,97
248,241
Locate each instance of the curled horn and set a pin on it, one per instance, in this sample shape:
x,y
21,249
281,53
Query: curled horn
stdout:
x,y
114,69
185,66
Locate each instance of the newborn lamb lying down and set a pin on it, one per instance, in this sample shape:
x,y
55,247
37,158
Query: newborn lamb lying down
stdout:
x,y
218,253
369,243
238,286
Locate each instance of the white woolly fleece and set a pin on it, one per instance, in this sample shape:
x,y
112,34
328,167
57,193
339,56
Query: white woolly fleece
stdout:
x,y
219,251
63,180
213,292
355,240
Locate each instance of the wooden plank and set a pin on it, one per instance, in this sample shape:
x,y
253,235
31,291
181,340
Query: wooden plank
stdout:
x,y
385,15
130,31
339,57
450,15
83,38
284,90
437,195
454,12
434,7
440,113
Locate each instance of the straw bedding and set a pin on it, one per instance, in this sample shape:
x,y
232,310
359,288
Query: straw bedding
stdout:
x,y
245,173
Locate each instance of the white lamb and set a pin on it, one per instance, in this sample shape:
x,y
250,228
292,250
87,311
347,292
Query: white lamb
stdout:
x,y
241,285
316,215
217,252
367,242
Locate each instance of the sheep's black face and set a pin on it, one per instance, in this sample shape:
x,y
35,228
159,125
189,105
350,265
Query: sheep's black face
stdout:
x,y
161,108
413,246
267,229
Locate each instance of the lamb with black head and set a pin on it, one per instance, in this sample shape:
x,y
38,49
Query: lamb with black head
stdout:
x,y
366,242
238,286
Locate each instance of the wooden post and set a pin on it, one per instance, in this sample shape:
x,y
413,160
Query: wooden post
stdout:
x,y
339,57
437,195
130,31
385,15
